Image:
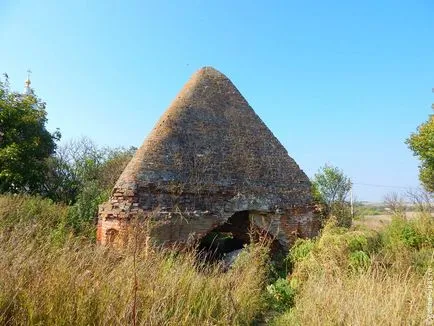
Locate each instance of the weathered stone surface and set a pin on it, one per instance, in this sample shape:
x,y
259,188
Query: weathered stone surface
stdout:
x,y
208,157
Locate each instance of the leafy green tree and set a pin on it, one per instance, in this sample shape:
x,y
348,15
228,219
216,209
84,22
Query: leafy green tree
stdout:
x,y
25,143
332,184
330,188
422,145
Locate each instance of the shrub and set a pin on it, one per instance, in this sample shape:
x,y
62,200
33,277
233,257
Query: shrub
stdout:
x,y
300,250
281,295
361,277
359,261
342,212
411,234
83,175
82,215
345,276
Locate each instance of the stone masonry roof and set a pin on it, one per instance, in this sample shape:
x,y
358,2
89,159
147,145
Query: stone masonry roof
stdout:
x,y
210,141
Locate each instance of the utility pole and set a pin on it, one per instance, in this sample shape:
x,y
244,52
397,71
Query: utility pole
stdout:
x,y
351,201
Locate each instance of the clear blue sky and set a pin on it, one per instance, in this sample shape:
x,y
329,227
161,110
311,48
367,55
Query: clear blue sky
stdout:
x,y
343,82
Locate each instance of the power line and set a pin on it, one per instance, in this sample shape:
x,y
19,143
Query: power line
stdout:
x,y
380,186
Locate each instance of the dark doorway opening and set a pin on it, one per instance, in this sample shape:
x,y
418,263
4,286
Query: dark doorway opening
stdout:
x,y
228,237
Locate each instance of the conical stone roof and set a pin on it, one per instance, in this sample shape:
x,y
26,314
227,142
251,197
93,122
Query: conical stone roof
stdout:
x,y
210,140
208,157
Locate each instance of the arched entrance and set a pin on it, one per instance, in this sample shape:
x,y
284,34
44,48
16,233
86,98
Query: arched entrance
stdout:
x,y
230,236
238,231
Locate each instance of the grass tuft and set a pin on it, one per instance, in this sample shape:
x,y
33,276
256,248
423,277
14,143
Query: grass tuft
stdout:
x,y
47,281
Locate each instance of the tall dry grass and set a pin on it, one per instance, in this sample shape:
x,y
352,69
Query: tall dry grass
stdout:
x,y
361,277
374,297
47,279
53,276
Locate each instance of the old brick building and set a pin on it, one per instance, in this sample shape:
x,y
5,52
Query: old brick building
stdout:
x,y
210,163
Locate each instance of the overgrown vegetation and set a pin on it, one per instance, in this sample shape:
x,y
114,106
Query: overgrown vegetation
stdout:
x,y
52,274
52,277
361,277
83,177
77,173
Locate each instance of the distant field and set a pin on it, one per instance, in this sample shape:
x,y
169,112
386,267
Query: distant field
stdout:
x,y
378,222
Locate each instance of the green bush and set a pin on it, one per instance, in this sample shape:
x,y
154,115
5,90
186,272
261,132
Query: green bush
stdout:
x,y
359,261
336,251
82,215
342,212
281,295
410,234
356,241
300,250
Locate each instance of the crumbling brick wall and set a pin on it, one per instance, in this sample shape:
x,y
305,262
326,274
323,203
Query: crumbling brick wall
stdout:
x,y
208,157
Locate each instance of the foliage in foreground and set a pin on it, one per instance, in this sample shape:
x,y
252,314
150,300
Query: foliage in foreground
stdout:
x,y
361,277
49,279
53,275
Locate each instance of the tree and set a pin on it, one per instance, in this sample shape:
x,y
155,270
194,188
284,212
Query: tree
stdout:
x,y
422,145
80,163
82,175
395,203
25,143
330,189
